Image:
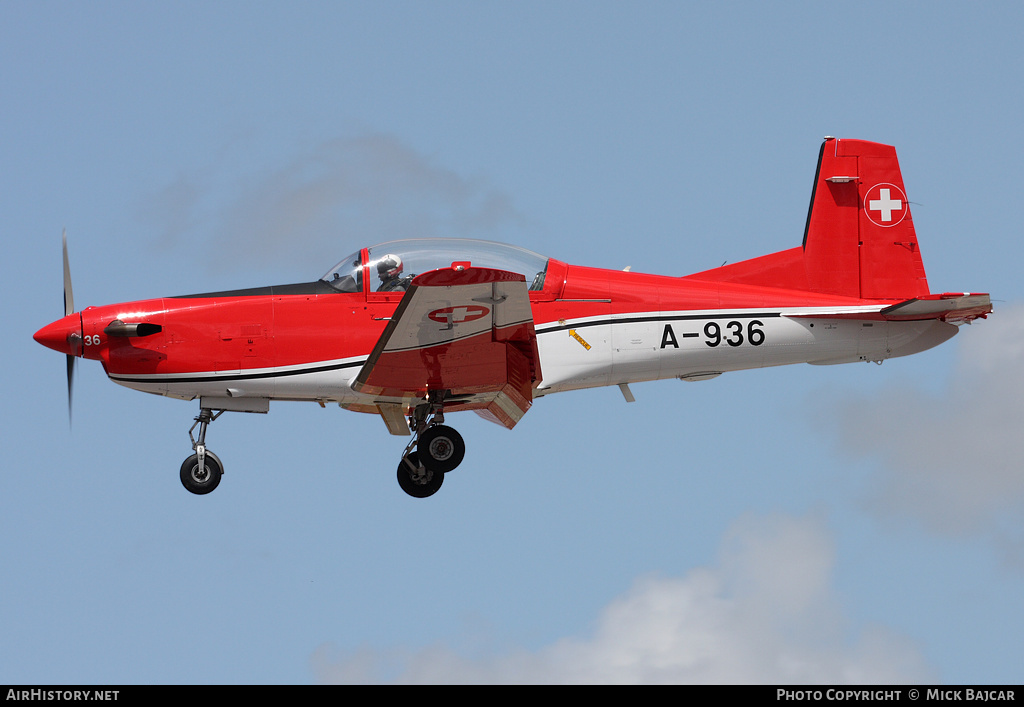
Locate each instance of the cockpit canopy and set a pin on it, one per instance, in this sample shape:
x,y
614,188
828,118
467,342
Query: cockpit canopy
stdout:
x,y
391,266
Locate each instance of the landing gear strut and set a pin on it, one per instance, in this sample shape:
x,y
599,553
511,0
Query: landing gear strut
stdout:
x,y
201,472
439,449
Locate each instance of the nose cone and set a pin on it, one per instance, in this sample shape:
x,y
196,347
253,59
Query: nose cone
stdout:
x,y
64,335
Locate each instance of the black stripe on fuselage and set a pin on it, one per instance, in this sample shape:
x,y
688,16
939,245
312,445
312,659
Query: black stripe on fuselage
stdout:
x,y
658,318
340,366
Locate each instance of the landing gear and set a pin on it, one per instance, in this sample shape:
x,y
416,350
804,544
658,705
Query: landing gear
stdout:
x,y
201,480
439,449
201,472
417,480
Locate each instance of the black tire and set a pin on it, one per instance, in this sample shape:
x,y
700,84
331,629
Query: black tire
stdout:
x,y
197,484
441,448
418,481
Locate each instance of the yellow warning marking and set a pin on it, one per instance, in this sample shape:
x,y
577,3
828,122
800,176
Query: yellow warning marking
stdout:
x,y
583,343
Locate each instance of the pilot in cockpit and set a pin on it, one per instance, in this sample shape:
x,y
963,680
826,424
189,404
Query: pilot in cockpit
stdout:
x,y
389,268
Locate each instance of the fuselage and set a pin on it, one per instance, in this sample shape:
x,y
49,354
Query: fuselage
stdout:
x,y
594,327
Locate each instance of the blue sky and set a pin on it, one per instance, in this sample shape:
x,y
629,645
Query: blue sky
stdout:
x,y
837,524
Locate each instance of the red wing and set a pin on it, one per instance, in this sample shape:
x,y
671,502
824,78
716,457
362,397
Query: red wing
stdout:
x,y
468,332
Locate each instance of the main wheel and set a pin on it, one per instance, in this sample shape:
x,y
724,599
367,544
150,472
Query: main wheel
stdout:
x,y
205,482
417,480
441,448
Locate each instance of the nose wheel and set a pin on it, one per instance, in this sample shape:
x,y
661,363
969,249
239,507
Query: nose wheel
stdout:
x,y
198,479
201,472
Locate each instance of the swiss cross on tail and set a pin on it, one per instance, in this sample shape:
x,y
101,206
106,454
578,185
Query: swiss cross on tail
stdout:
x,y
885,204
465,334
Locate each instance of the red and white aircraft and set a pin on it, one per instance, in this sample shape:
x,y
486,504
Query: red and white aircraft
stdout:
x,y
414,330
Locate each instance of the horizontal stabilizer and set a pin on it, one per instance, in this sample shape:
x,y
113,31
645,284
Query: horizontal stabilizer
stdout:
x,y
951,307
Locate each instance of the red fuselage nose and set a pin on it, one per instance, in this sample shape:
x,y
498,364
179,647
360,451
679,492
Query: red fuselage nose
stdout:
x,y
64,335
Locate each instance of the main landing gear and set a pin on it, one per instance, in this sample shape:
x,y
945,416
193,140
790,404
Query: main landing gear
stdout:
x,y
201,472
439,449
435,450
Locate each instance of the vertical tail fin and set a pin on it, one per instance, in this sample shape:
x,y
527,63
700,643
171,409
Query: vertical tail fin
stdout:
x,y
859,240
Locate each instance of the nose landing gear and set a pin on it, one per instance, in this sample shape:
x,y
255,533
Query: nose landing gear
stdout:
x,y
201,472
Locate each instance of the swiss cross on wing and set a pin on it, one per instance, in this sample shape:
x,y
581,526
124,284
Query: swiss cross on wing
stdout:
x,y
885,205
457,315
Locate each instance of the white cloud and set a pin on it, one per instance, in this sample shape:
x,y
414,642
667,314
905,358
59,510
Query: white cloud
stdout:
x,y
322,204
952,461
766,614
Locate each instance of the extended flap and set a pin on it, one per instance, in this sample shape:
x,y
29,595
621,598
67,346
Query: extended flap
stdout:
x,y
460,330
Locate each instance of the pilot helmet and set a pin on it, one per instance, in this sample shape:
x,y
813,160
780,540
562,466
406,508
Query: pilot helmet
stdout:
x,y
389,267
